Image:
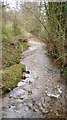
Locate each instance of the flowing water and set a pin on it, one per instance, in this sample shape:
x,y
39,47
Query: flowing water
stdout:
x,y
42,93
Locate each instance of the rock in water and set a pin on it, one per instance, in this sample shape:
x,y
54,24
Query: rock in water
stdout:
x,y
57,93
53,95
28,72
23,77
20,84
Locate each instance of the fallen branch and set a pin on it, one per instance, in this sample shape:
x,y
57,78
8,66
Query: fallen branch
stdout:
x,y
60,58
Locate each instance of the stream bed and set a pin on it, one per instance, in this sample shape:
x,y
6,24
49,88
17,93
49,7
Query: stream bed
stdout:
x,y
42,93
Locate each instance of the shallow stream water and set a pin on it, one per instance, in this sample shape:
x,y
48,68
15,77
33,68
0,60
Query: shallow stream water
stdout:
x,y
42,93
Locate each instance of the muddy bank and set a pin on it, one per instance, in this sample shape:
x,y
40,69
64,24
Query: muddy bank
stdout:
x,y
42,93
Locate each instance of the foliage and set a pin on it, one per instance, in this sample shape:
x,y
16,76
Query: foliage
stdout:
x,y
65,73
25,45
10,53
16,25
56,14
48,21
12,39
6,32
31,10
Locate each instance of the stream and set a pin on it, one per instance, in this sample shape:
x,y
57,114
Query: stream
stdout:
x,y
42,93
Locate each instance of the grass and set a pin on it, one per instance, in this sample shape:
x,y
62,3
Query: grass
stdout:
x,y
65,73
11,54
11,76
11,50
25,45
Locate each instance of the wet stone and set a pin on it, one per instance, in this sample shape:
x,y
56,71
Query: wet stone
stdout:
x,y
43,105
35,110
28,72
30,92
30,106
33,101
21,84
21,98
27,75
46,98
30,82
57,93
36,77
46,112
17,92
4,108
23,77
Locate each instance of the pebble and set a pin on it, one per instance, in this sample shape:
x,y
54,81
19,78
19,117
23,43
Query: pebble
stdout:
x,y
21,98
46,112
30,92
30,106
43,105
28,72
23,77
34,109
30,82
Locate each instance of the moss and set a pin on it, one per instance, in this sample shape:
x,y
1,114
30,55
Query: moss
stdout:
x,y
11,76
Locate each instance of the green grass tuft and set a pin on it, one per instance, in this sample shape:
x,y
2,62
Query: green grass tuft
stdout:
x,y
25,45
65,73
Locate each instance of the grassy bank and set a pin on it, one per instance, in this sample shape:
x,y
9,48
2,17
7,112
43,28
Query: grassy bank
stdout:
x,y
25,46
11,76
11,54
13,38
11,51
12,69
